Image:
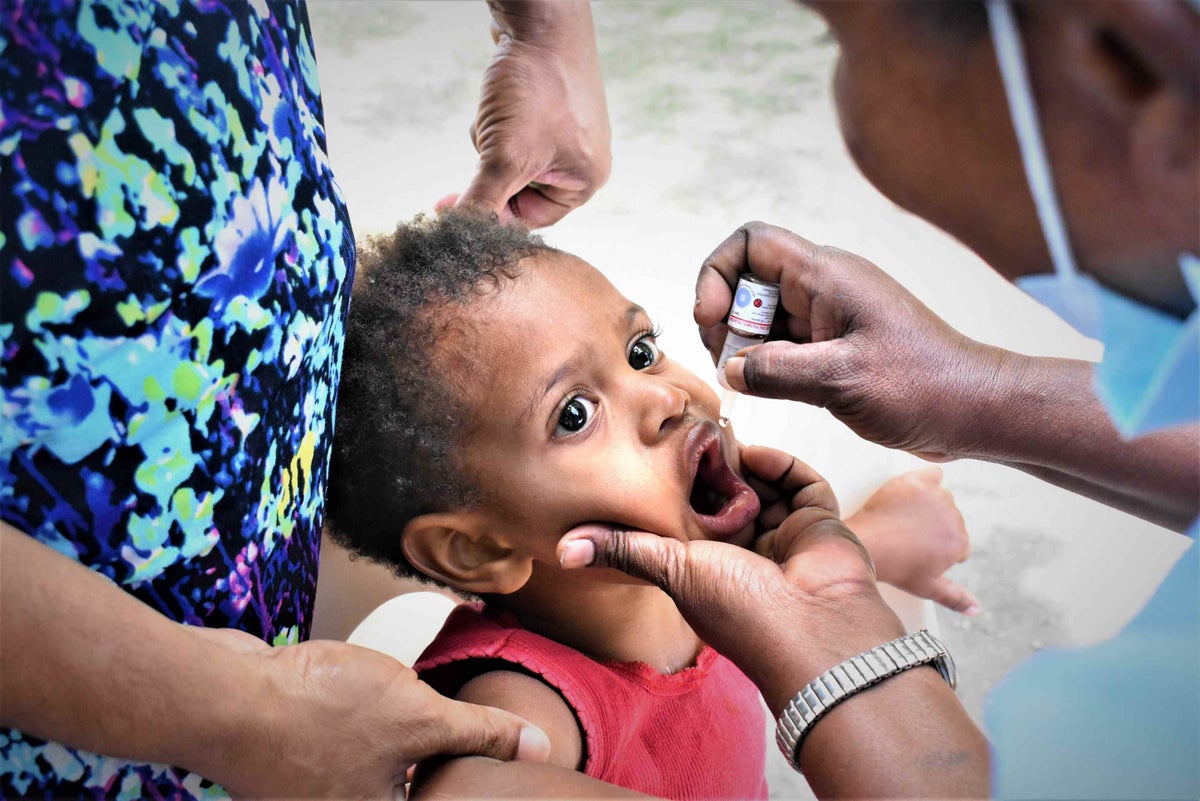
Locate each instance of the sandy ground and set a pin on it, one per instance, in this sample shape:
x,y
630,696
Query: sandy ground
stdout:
x,y
721,113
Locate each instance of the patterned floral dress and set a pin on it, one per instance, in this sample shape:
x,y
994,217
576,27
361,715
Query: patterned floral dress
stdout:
x,y
175,259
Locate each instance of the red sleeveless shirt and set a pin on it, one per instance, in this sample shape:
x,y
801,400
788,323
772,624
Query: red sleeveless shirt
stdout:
x,y
696,734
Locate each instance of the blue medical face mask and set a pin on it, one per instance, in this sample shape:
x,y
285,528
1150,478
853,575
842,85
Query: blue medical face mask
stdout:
x,y
1150,374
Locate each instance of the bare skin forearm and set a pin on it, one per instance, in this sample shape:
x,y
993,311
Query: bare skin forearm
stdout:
x,y
1043,417
86,664
476,777
906,737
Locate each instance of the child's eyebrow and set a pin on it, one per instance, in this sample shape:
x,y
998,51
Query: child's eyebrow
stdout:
x,y
633,313
628,318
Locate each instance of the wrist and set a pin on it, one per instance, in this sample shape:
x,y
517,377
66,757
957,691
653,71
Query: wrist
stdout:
x,y
564,26
982,390
832,632
230,719
856,675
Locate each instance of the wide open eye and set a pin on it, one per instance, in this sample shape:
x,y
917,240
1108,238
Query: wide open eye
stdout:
x,y
644,353
575,416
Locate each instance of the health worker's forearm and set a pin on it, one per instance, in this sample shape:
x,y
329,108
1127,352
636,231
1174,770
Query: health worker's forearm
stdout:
x,y
84,663
907,737
1042,416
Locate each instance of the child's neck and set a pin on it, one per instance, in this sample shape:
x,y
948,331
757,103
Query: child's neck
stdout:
x,y
618,622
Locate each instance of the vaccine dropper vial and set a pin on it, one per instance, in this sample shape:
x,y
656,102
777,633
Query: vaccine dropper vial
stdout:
x,y
749,322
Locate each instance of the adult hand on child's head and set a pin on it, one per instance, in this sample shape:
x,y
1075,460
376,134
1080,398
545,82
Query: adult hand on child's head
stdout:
x,y
542,127
342,721
849,338
781,619
915,533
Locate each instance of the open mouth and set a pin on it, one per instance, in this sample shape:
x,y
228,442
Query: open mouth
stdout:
x,y
722,502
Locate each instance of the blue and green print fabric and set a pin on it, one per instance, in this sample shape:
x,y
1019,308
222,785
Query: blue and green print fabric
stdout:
x,y
175,261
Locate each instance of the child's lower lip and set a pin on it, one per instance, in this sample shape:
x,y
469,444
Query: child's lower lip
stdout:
x,y
709,464
737,513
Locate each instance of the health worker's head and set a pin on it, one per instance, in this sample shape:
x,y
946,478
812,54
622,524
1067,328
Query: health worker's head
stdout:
x,y
1117,91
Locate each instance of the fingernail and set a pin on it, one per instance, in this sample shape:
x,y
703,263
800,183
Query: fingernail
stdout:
x,y
534,744
972,610
577,553
735,373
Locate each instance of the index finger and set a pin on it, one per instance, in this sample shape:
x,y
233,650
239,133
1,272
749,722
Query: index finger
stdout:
x,y
755,247
494,184
803,486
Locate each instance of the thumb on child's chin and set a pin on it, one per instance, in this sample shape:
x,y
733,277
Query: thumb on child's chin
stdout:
x,y
658,560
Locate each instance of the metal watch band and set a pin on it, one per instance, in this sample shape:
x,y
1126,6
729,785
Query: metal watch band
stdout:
x,y
856,674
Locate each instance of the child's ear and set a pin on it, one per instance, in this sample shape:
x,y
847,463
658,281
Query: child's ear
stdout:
x,y
459,549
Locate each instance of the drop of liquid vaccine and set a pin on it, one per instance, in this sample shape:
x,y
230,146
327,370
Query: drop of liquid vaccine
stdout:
x,y
723,422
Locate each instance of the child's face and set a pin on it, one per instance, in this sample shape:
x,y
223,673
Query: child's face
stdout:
x,y
578,417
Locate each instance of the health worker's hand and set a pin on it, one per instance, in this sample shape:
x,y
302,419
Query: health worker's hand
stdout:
x,y
342,721
784,618
851,339
542,128
787,619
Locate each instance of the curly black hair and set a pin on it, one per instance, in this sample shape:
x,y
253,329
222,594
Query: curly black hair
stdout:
x,y
398,419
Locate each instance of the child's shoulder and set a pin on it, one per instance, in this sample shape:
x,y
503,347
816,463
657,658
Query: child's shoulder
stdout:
x,y
484,656
476,639
537,702
485,659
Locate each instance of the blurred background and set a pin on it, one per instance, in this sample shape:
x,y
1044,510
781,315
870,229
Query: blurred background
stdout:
x,y
721,113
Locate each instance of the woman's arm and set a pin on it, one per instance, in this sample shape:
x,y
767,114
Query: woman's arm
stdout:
x,y
86,664
83,662
1042,416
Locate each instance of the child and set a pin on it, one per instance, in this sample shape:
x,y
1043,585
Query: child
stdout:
x,y
495,394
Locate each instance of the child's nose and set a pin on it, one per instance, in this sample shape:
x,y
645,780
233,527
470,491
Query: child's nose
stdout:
x,y
664,406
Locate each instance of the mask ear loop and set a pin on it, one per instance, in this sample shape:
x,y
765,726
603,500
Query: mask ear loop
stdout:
x,y
1006,38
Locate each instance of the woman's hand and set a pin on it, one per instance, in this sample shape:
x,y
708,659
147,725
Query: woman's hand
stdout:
x,y
542,127
340,721
848,338
87,664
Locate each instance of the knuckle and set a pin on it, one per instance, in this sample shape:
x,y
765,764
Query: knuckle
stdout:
x,y
619,551
500,163
492,739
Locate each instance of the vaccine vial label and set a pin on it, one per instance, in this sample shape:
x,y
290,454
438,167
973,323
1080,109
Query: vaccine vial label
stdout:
x,y
754,305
